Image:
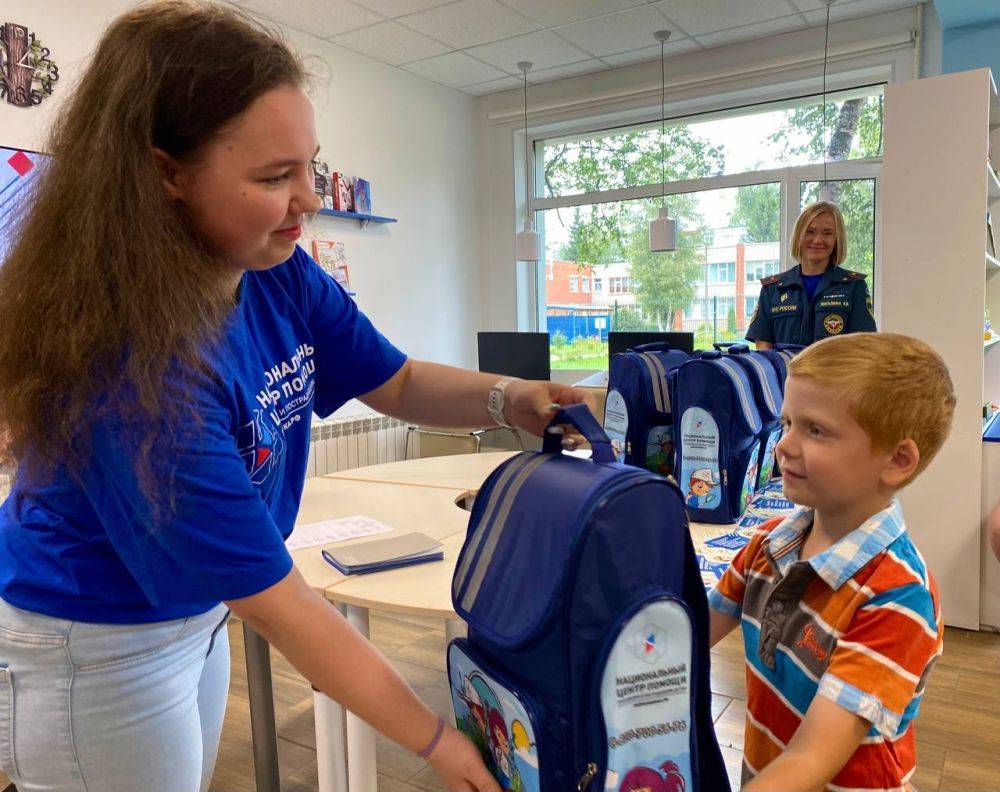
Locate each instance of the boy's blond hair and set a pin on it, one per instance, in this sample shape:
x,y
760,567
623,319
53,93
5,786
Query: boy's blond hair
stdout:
x,y
810,213
895,386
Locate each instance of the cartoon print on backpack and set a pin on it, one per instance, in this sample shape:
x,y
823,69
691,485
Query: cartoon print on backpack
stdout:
x,y
660,450
750,479
645,779
483,709
703,489
507,773
767,464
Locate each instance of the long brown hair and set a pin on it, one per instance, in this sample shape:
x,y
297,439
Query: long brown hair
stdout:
x,y
107,292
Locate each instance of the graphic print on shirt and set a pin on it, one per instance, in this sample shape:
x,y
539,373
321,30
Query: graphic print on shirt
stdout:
x,y
290,387
262,447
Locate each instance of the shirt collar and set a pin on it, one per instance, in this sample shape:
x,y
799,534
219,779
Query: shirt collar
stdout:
x,y
838,563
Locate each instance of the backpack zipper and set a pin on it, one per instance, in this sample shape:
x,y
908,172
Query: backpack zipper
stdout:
x,y
588,776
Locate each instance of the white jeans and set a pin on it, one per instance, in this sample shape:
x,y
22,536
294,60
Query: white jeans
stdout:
x,y
111,708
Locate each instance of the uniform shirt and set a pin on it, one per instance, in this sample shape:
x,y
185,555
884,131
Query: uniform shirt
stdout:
x,y
294,343
786,315
859,623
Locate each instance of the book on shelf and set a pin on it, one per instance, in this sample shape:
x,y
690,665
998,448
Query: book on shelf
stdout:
x,y
323,182
362,196
332,258
381,554
343,194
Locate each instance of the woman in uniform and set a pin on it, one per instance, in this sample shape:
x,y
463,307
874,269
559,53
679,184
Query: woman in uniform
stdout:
x,y
817,298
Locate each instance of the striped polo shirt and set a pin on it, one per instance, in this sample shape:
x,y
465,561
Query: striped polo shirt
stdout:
x,y
859,623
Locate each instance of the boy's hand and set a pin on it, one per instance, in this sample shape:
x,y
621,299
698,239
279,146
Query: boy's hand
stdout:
x,y
459,764
824,741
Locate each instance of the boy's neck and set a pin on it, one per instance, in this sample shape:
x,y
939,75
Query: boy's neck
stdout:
x,y
831,525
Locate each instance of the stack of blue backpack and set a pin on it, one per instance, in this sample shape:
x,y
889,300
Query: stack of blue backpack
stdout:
x,y
586,665
727,411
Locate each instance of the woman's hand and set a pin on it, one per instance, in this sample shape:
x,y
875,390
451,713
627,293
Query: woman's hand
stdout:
x,y
459,764
531,404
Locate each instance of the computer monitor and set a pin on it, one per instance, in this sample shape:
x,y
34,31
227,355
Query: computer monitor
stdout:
x,y
619,342
524,355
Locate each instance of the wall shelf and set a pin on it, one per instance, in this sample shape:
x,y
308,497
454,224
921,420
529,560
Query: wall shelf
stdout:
x,y
991,343
364,219
992,264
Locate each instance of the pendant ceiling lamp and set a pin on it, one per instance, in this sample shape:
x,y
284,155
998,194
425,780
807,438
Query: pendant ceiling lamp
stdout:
x,y
824,188
526,242
663,230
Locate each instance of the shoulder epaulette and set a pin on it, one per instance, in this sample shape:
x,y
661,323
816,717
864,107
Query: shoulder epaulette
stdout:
x,y
852,275
770,279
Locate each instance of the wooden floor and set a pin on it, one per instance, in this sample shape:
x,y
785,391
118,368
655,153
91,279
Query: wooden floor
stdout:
x,y
958,728
958,731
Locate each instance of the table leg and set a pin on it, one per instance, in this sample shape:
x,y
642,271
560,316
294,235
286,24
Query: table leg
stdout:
x,y
262,727
330,743
361,768
455,628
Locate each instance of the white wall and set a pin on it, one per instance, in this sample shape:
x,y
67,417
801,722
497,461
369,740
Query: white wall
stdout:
x,y
413,140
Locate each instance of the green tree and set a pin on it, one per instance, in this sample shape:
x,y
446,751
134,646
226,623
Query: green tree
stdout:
x,y
665,283
618,160
758,210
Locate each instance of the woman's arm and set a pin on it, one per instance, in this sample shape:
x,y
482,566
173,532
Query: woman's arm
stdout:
x,y
764,345
429,393
337,660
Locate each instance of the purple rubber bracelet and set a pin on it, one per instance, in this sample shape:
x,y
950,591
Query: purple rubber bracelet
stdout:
x,y
434,740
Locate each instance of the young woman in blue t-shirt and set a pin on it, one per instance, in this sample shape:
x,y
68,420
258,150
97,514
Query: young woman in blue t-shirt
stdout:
x,y
163,344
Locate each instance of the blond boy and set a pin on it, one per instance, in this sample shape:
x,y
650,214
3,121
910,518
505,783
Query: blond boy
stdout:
x,y
841,618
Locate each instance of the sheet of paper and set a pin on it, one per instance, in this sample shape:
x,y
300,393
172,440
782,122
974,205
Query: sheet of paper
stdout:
x,y
327,531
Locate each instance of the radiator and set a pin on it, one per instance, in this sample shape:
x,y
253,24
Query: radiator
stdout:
x,y
355,441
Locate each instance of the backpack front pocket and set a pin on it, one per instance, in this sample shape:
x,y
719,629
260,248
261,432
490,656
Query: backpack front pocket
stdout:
x,y
500,722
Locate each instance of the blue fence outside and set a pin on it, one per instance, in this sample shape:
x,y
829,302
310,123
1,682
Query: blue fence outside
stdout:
x,y
580,326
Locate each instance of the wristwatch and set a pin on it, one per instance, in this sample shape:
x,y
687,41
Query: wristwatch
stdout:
x,y
496,402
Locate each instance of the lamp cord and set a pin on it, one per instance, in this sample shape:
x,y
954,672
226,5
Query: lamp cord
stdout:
x,y
527,170
663,118
826,50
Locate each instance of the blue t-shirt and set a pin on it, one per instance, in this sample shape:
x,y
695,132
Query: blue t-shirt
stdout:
x,y
294,344
811,283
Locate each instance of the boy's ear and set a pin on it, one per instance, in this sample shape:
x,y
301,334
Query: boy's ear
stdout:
x,y
170,174
902,463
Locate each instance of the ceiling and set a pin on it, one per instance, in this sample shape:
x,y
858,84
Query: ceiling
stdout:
x,y
475,45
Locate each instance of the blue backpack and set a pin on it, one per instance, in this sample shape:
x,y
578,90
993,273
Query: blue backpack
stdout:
x,y
780,356
637,414
586,663
716,435
768,397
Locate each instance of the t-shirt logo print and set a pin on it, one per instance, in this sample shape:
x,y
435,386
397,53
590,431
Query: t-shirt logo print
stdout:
x,y
262,448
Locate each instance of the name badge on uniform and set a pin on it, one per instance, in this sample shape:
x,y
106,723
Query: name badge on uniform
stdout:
x,y
785,309
833,301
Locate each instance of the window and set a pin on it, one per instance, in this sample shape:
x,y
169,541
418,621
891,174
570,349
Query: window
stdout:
x,y
722,272
574,283
763,137
754,166
762,269
619,285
